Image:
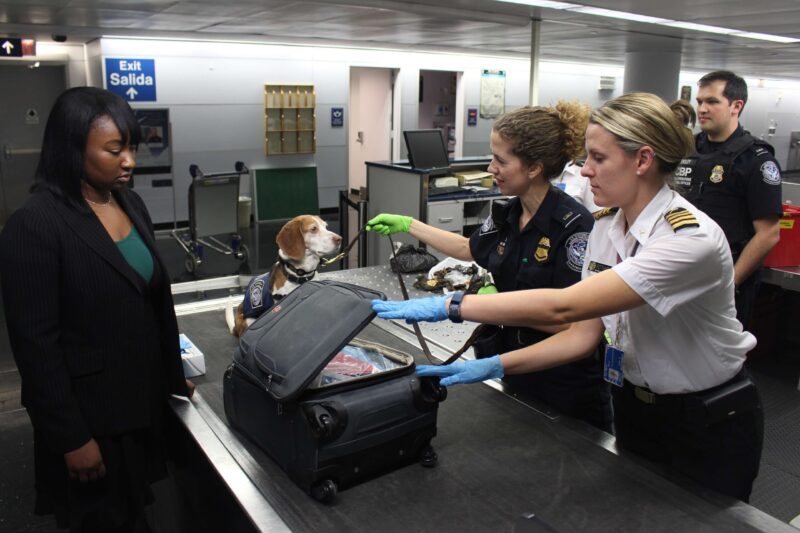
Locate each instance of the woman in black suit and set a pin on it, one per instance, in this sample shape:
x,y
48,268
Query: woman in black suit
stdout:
x,y
91,321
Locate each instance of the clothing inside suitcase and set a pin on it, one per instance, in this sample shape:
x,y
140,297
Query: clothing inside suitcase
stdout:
x,y
359,359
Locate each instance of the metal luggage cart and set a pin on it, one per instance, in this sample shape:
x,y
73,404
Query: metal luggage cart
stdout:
x,y
213,210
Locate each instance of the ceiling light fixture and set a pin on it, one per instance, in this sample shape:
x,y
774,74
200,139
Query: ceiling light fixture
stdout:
x,y
692,26
698,27
610,13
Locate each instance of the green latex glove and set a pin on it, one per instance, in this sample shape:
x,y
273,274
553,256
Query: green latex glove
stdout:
x,y
388,224
488,289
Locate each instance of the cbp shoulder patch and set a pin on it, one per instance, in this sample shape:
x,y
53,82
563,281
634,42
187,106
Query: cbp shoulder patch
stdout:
x,y
576,250
770,173
256,296
680,218
488,225
597,215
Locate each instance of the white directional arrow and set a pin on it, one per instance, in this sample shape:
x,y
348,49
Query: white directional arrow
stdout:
x,y
7,46
132,93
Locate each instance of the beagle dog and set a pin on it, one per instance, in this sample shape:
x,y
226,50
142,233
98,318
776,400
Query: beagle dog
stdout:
x,y
302,242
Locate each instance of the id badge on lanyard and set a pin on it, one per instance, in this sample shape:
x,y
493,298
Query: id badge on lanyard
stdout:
x,y
612,366
612,362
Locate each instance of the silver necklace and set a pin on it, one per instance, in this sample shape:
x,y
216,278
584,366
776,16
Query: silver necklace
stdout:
x,y
100,204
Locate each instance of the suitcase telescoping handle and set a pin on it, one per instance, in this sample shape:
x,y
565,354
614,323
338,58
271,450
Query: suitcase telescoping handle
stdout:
x,y
418,331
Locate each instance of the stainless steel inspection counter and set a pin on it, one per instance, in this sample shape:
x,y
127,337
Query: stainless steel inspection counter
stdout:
x,y
504,463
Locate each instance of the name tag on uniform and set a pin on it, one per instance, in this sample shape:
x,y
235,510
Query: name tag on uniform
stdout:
x,y
612,366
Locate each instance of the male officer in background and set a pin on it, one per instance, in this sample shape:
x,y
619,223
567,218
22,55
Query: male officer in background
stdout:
x,y
736,180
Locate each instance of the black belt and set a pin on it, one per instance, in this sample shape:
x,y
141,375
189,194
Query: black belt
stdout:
x,y
645,395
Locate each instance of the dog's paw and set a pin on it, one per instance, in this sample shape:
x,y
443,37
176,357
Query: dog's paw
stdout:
x,y
230,312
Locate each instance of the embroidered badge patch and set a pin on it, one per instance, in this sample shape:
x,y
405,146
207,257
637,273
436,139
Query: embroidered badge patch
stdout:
x,y
770,173
594,266
257,293
488,226
717,174
542,250
576,250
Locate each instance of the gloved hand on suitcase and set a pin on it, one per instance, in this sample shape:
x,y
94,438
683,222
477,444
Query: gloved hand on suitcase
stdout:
x,y
465,371
388,224
431,309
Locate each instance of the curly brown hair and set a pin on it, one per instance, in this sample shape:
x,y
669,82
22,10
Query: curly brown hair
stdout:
x,y
685,112
552,136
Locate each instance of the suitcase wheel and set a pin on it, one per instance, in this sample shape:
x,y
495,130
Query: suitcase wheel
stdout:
x,y
324,491
427,457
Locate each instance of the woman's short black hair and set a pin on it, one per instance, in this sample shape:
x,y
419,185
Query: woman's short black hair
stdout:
x,y
61,163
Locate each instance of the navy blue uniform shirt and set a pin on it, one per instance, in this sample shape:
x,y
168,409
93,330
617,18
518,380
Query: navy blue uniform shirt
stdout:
x,y
547,253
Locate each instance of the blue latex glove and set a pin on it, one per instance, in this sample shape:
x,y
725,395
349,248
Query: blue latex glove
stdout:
x,y
465,371
417,310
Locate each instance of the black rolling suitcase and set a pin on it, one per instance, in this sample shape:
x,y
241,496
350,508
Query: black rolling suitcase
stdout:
x,y
331,409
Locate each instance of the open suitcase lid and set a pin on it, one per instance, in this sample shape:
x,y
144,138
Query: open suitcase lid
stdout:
x,y
292,342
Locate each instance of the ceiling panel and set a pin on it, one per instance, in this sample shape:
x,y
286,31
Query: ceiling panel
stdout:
x,y
480,26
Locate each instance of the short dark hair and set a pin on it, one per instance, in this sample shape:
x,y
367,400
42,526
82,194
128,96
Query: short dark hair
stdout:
x,y
735,87
61,163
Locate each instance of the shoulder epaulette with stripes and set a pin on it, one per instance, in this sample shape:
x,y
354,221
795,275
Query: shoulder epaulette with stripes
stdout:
x,y
681,218
597,215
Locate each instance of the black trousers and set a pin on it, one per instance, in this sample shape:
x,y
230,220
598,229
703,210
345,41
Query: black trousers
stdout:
x,y
723,456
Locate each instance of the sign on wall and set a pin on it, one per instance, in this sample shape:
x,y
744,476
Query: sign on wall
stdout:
x,y
337,116
154,155
132,79
493,93
10,47
472,116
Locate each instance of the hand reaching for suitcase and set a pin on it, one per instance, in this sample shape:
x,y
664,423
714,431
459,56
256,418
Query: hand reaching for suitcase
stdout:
x,y
431,309
464,372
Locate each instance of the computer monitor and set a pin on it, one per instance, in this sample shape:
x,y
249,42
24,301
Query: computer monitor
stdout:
x,y
426,149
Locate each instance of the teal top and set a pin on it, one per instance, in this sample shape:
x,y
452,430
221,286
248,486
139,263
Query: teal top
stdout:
x,y
136,253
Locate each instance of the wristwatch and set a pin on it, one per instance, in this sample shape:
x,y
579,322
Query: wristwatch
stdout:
x,y
454,309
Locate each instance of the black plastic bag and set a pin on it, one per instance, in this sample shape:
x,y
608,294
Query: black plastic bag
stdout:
x,y
412,259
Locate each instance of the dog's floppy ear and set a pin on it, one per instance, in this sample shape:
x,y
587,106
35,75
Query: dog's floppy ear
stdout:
x,y
290,239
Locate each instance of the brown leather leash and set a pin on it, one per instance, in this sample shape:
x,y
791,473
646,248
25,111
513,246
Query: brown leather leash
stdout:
x,y
418,332
343,254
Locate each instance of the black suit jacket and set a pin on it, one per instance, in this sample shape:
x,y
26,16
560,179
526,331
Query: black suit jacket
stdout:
x,y
97,347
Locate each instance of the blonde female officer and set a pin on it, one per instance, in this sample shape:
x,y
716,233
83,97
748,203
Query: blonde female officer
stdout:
x,y
658,277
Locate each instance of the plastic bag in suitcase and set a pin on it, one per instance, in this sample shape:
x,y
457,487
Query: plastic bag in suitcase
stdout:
x,y
329,408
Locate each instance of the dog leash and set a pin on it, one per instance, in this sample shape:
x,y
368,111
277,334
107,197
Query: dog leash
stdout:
x,y
343,254
418,332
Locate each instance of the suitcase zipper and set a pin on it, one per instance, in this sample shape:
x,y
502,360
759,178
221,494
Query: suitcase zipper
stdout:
x,y
254,378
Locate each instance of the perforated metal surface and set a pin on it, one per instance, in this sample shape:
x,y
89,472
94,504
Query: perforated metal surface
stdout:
x,y
445,335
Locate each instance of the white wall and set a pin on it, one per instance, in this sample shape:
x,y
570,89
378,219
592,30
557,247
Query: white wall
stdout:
x,y
215,95
214,91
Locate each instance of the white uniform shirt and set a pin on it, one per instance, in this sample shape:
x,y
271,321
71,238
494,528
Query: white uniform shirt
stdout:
x,y
685,337
571,182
